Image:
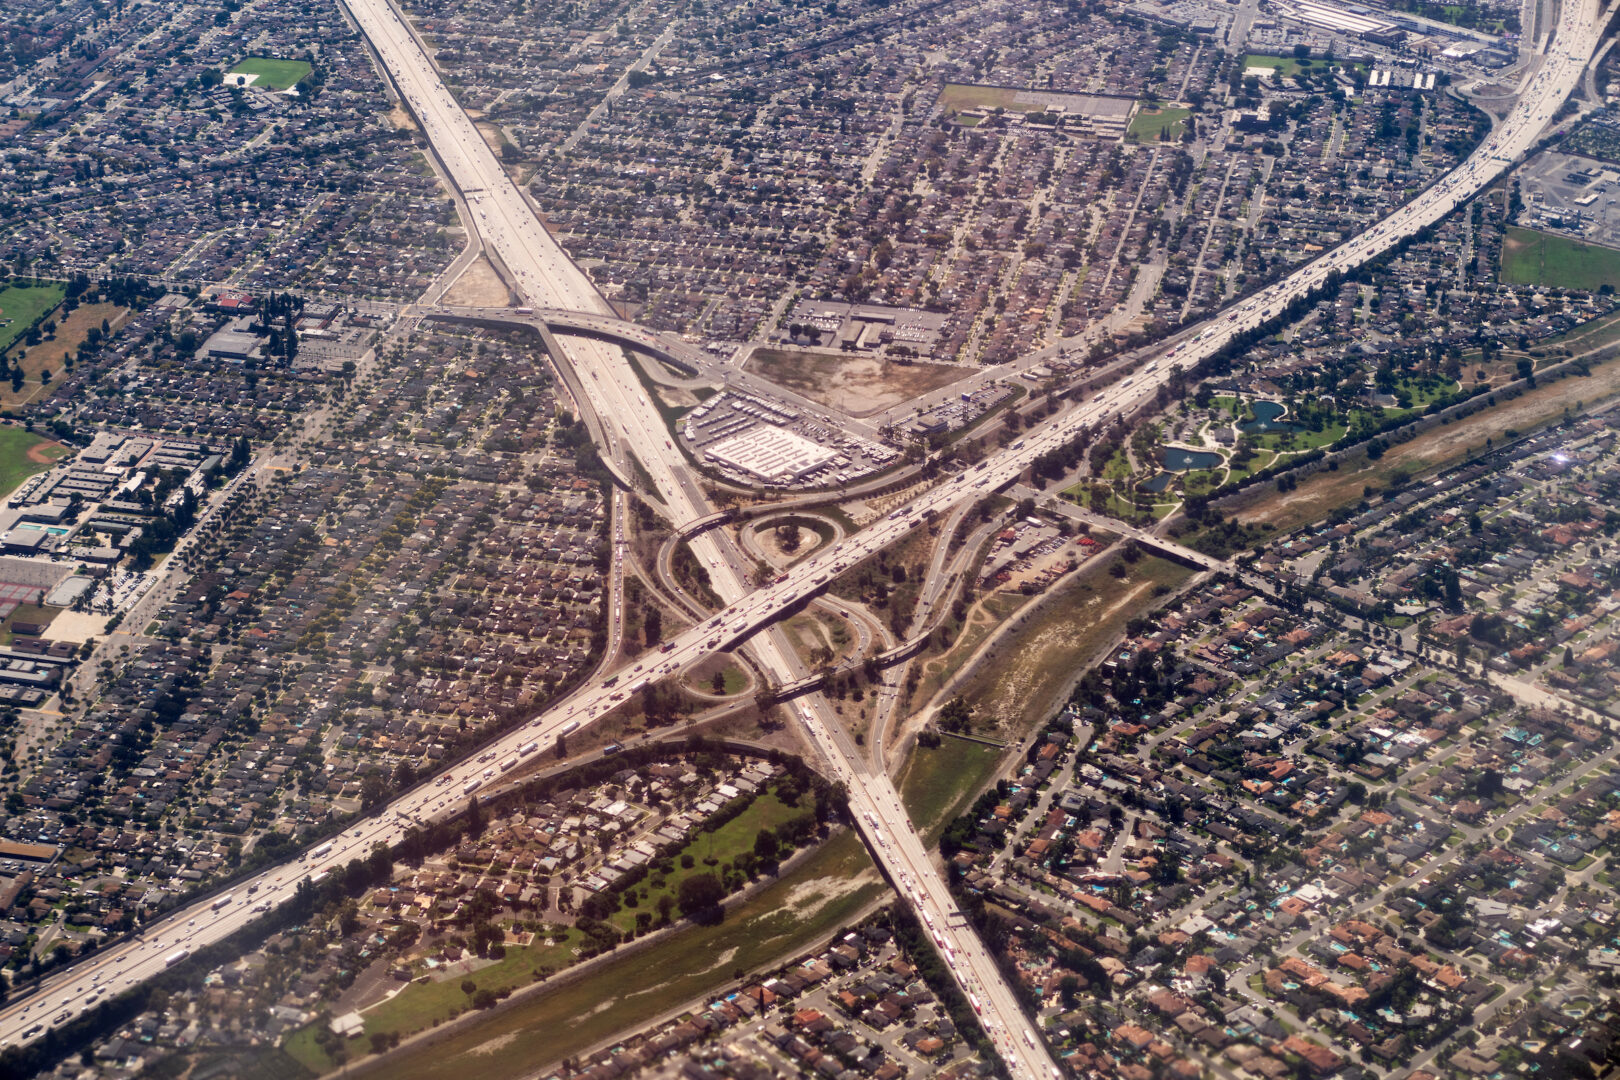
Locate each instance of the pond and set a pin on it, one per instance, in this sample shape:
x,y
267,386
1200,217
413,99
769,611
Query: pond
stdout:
x,y
1156,484
1265,419
1177,459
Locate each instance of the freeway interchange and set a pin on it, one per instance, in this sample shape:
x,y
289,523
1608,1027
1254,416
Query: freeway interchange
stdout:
x,y
633,430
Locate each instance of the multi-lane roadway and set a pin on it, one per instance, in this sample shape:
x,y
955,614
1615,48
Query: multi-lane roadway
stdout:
x,y
546,278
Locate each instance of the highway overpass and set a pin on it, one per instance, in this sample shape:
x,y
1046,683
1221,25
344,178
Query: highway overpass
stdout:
x,y
547,279
666,347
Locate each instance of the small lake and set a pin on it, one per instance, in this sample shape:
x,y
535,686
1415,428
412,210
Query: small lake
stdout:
x,y
1156,484
1178,459
1265,419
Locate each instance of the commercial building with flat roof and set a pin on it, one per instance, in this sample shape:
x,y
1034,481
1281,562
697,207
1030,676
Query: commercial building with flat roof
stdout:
x,y
770,454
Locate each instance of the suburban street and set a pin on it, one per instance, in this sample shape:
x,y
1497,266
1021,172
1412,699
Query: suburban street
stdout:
x,y
635,433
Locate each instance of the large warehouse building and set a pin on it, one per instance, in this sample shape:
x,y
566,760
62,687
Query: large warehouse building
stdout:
x,y
770,454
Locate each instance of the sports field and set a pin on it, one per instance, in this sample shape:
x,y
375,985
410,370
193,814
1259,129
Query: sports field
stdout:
x,y
1557,262
958,96
1282,65
20,305
1290,66
22,454
1147,124
273,74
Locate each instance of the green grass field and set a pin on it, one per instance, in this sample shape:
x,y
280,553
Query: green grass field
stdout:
x,y
1261,459
712,851
31,613
1148,123
1288,66
797,912
273,74
427,1004
1118,467
20,305
939,782
1114,504
1283,65
15,464
1293,441
1538,258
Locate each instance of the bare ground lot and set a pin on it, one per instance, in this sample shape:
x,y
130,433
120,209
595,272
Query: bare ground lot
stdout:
x,y
852,384
479,286
1320,493
1028,674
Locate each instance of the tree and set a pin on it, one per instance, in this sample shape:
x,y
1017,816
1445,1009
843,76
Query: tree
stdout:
x,y
957,715
348,917
718,683
373,789
700,897
1453,590
767,849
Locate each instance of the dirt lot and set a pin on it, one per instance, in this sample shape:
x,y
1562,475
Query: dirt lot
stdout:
x,y
479,286
48,355
677,397
1030,673
853,384
1322,492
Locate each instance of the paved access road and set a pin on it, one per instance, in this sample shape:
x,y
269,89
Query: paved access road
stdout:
x,y
634,429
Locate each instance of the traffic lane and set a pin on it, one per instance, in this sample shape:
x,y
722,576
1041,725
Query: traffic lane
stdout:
x,y
1369,246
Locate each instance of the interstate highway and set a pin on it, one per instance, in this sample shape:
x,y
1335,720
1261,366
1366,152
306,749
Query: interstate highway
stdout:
x,y
548,279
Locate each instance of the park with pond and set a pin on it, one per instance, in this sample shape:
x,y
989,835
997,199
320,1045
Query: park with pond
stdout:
x,y
1206,447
